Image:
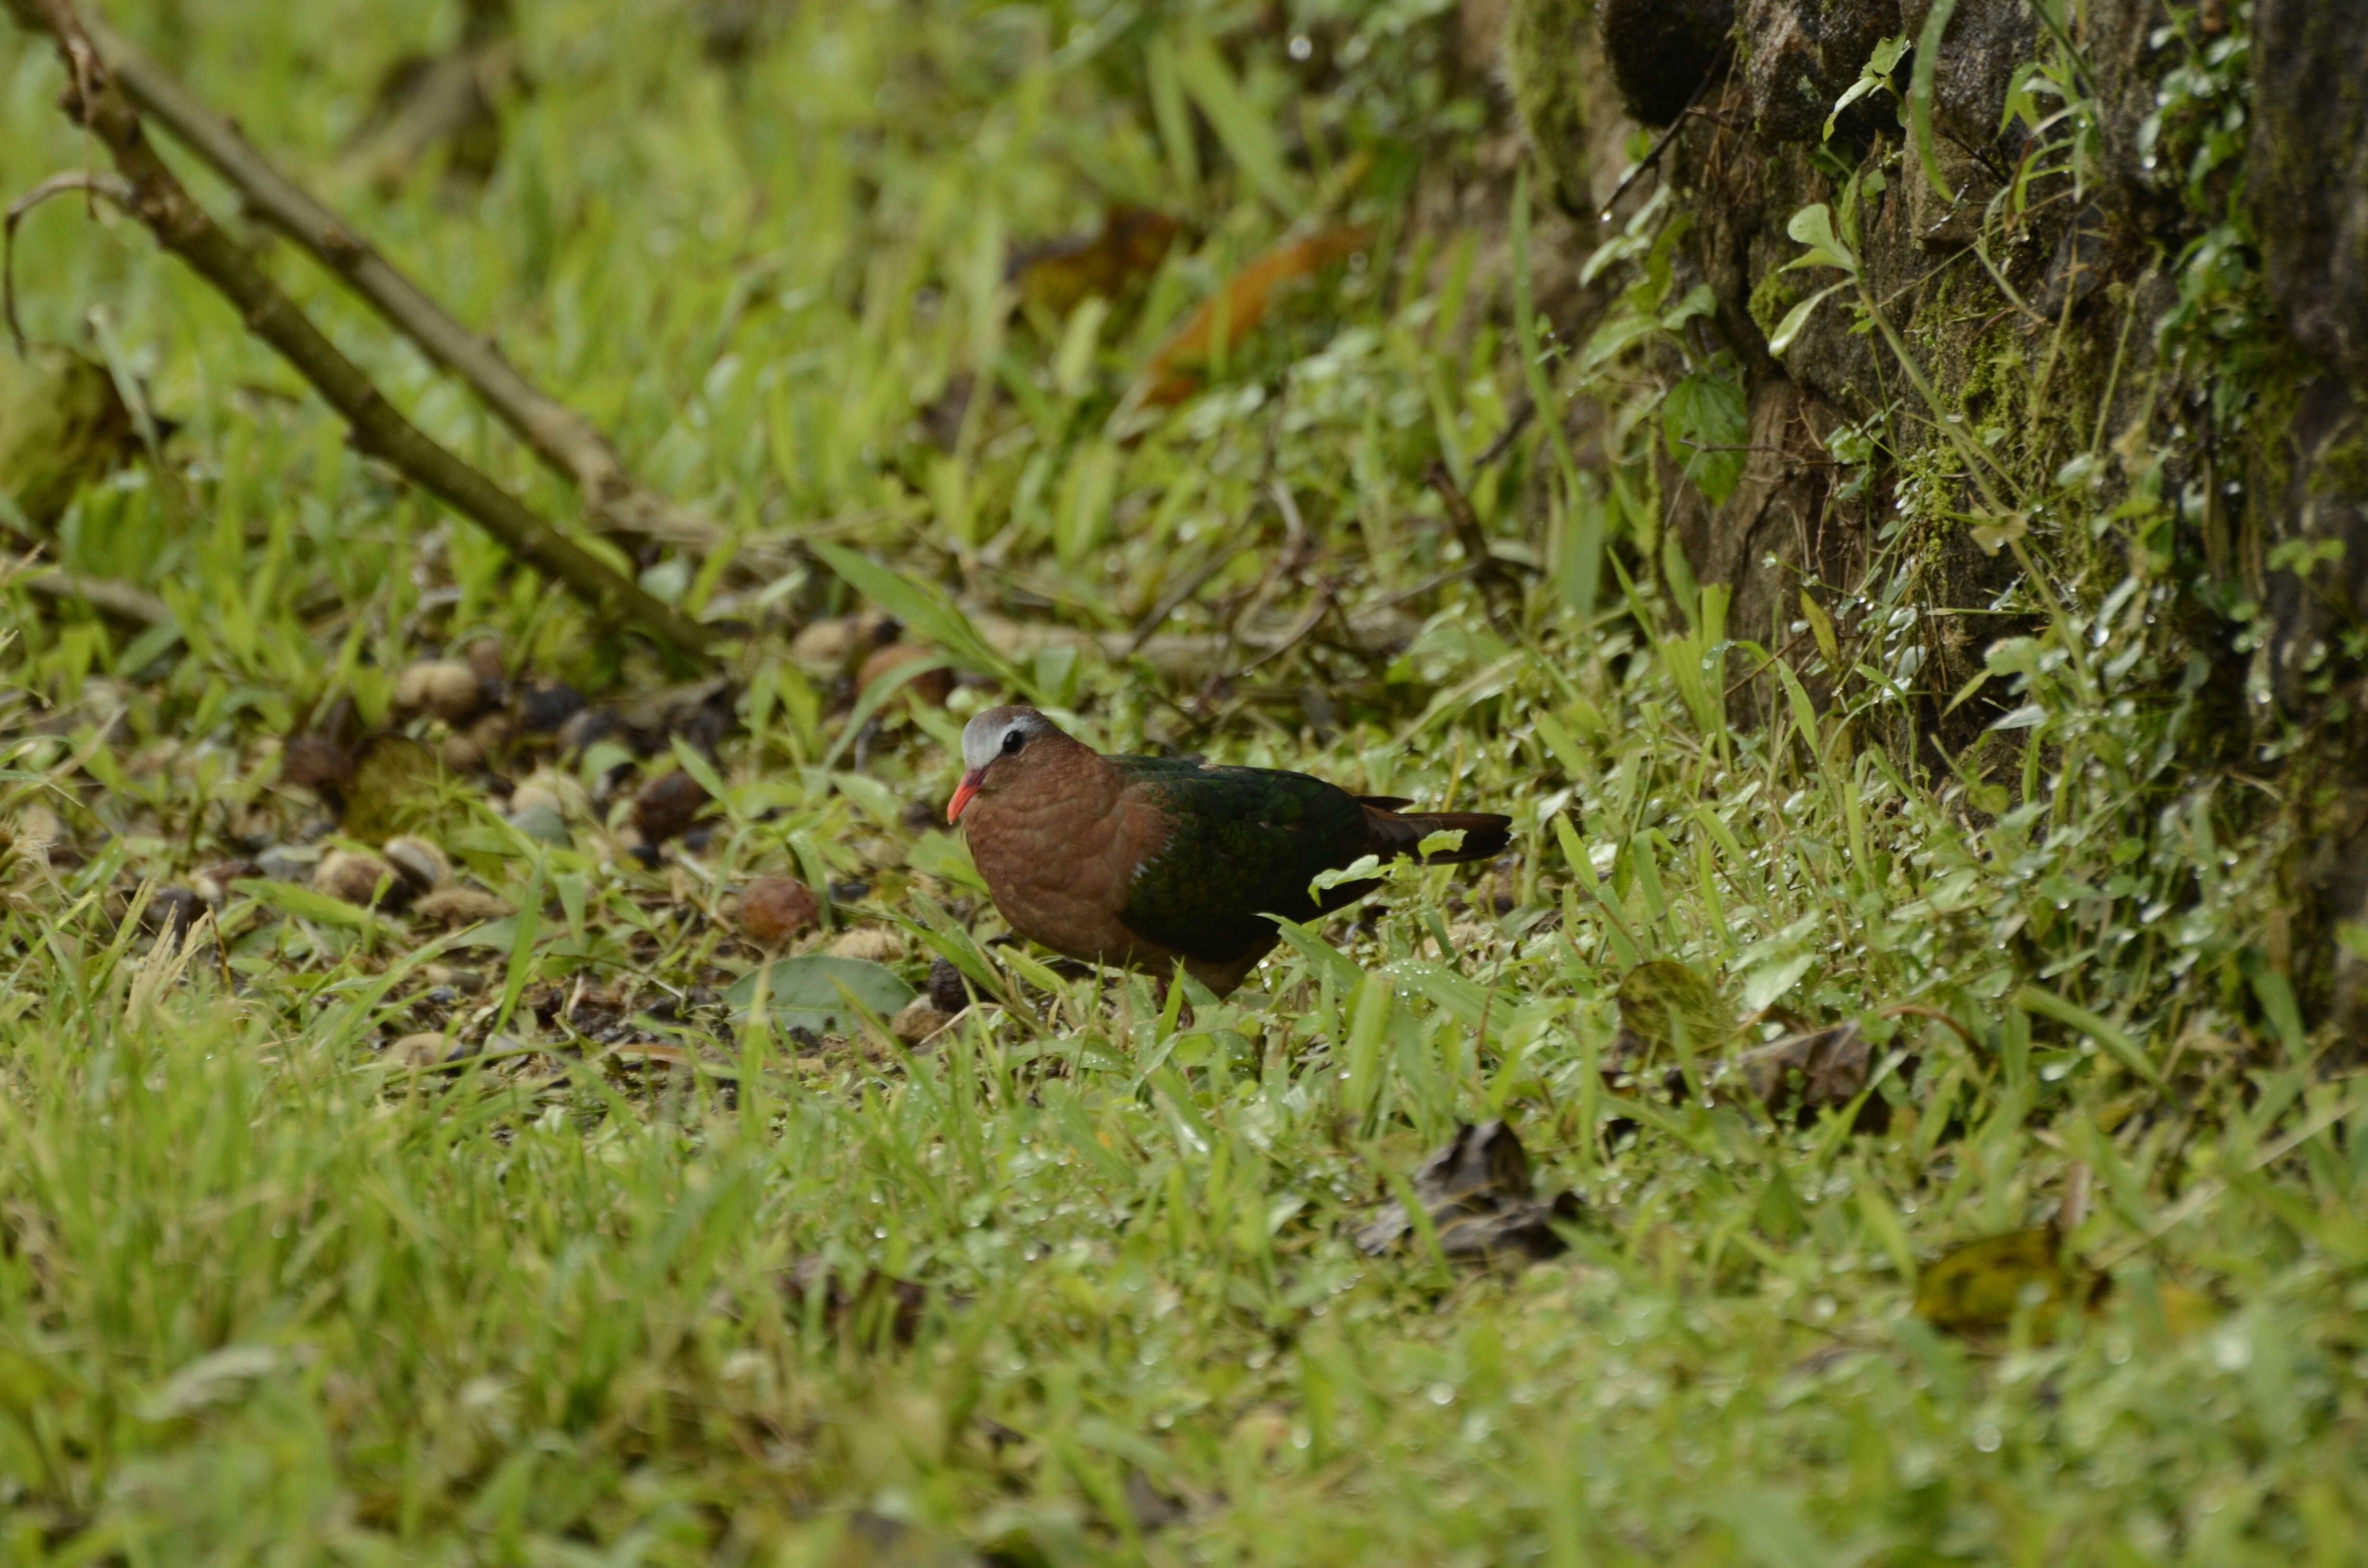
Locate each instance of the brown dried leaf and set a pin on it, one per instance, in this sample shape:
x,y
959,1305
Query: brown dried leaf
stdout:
x,y
1832,1067
1175,370
871,1300
1478,1194
1800,1074
1054,279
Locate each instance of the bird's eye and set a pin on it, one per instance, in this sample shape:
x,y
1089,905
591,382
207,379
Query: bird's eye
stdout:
x,y
1012,741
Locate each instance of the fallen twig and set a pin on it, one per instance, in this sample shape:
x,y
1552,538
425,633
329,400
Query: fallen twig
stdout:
x,y
1522,414
156,197
566,442
1603,214
1490,571
121,601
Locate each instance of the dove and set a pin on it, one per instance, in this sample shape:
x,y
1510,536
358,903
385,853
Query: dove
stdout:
x,y
1156,862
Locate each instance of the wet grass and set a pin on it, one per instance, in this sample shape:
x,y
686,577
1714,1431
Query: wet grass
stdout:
x,y
269,1292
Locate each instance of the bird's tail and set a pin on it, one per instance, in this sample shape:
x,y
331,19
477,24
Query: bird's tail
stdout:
x,y
1486,833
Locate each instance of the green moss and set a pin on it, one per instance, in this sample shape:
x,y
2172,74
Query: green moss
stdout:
x,y
1771,298
2342,468
62,426
1545,67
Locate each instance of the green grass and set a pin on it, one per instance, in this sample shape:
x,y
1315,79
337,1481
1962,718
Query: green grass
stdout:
x,y
267,1294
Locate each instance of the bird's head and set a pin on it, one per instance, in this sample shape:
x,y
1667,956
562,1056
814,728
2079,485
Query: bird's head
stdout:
x,y
991,745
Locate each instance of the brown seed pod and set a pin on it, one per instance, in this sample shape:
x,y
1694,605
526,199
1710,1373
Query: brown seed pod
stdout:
x,y
315,763
486,661
872,944
774,908
170,912
430,1047
529,797
446,687
919,1020
668,805
947,991
364,879
457,906
214,883
418,862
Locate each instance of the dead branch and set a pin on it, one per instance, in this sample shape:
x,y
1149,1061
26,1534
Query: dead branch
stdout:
x,y
98,103
121,601
1489,569
564,439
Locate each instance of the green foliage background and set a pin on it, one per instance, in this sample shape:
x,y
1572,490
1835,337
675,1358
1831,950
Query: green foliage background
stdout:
x,y
266,1294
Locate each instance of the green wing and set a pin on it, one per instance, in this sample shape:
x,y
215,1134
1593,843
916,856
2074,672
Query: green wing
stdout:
x,y
1244,842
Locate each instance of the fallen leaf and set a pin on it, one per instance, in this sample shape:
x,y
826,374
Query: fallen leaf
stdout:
x,y
1802,1073
1975,1289
1175,370
1478,1194
1812,1071
1055,278
803,992
863,1301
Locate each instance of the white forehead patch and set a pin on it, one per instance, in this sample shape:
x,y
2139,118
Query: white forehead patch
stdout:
x,y
983,737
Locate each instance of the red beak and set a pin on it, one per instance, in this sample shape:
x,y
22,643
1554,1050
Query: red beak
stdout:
x,y
963,793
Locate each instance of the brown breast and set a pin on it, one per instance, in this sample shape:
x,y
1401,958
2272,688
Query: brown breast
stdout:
x,y
1058,837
